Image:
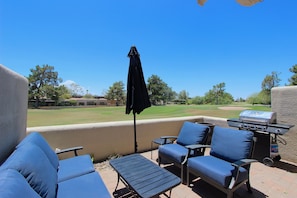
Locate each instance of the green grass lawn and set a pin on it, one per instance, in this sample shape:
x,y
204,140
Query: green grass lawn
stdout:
x,y
81,115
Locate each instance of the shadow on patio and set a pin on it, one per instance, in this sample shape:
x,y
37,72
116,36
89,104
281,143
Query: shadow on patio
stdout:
x,y
277,181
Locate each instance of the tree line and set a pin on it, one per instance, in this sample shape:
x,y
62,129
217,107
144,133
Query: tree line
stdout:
x,y
44,84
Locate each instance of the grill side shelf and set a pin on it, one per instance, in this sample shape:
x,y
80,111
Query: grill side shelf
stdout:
x,y
278,129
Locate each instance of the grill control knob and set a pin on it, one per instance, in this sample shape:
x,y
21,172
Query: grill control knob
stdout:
x,y
277,131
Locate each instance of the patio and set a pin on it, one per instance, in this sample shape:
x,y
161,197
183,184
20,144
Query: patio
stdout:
x,y
278,181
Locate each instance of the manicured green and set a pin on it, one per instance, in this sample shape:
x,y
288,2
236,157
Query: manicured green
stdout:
x,y
81,115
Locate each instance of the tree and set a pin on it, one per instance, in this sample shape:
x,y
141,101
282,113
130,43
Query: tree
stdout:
x,y
253,99
240,99
218,91
76,90
57,93
88,95
226,98
184,96
42,83
268,83
63,92
171,95
157,89
218,95
293,79
198,100
116,92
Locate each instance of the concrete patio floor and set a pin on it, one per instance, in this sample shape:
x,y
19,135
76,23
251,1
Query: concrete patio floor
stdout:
x,y
279,181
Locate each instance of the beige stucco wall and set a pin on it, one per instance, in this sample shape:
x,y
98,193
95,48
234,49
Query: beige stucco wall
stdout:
x,y
102,140
13,110
284,103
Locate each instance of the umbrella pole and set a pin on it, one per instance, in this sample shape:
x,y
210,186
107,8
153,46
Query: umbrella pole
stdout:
x,y
135,142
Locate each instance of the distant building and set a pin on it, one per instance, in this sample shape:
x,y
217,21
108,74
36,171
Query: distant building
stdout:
x,y
78,101
87,101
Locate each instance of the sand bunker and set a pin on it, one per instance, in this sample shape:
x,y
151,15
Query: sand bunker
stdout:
x,y
233,108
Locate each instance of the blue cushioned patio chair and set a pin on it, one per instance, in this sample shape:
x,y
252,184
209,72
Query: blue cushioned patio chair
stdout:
x,y
228,165
177,153
67,168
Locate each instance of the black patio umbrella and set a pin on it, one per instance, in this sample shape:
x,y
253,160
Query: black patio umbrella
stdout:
x,y
137,95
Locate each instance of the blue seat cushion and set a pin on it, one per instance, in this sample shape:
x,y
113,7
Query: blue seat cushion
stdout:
x,y
192,133
13,184
34,165
74,167
89,185
175,152
37,139
231,144
215,169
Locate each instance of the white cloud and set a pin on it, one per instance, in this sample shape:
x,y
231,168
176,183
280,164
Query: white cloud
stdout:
x,y
68,83
74,87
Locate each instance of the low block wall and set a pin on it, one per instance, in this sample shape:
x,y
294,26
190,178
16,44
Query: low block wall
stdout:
x,y
102,140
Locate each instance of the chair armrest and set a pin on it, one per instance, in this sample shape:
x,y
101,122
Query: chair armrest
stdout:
x,y
237,165
197,146
194,147
243,162
74,149
168,139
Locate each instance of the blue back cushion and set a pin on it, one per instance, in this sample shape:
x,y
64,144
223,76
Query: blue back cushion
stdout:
x,y
33,164
192,133
13,184
37,139
231,144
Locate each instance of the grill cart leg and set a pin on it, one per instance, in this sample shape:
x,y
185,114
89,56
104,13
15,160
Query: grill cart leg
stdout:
x,y
268,161
274,154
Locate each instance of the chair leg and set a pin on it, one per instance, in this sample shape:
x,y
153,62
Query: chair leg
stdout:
x,y
151,149
159,160
248,185
188,177
182,173
229,194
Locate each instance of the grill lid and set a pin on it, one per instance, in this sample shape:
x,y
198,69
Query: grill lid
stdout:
x,y
259,121
261,117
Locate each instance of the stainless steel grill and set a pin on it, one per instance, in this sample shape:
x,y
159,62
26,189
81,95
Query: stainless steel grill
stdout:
x,y
264,121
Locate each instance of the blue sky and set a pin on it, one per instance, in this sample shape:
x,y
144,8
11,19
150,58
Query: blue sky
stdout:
x,y
190,47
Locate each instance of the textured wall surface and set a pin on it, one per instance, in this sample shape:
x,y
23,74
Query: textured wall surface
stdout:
x,y
105,139
284,103
13,110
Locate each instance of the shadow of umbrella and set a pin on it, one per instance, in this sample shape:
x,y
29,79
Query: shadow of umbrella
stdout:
x,y
137,95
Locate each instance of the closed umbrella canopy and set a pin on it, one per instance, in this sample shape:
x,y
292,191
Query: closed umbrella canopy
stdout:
x,y
241,2
137,95
248,2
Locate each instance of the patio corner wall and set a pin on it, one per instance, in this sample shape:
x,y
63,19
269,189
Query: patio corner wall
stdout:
x,y
284,103
13,108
